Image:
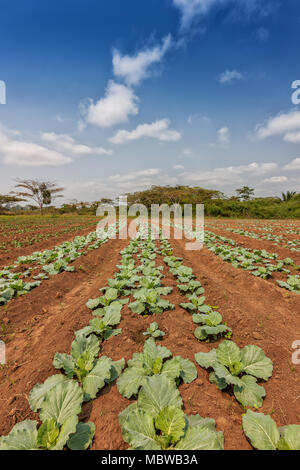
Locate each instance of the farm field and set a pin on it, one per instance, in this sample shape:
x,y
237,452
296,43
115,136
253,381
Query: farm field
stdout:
x,y
248,271
21,235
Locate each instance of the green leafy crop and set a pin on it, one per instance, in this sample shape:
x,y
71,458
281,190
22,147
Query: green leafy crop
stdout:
x,y
183,273
59,401
156,421
192,287
148,302
263,433
292,284
152,361
154,331
195,304
211,325
105,319
239,368
82,363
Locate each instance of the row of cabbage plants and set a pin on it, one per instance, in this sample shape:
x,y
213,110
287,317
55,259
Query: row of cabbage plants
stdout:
x,y
234,368
43,264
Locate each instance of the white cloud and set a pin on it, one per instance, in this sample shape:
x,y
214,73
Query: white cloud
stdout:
x,y
230,75
287,124
22,153
156,130
293,165
194,117
85,190
137,180
133,69
134,175
191,9
229,175
65,142
293,137
187,151
178,167
118,103
223,135
275,179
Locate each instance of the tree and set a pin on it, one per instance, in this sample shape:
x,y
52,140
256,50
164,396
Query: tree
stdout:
x,y
173,195
41,192
8,200
245,193
288,195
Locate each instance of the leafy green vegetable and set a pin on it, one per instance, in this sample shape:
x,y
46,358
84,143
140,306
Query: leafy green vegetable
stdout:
x,y
156,421
195,303
59,402
83,437
183,273
23,436
292,283
148,302
154,360
194,287
211,325
263,433
154,331
91,372
230,364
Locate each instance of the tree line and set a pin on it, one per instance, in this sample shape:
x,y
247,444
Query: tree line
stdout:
x,y
40,194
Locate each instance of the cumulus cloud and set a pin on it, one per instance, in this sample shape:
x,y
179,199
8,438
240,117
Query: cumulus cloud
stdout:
x,y
230,76
16,151
229,175
114,108
156,130
65,142
133,69
293,137
286,124
293,165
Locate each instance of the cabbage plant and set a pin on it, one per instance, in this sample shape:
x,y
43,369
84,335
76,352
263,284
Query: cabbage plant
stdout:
x,y
154,331
59,401
156,421
154,360
240,368
148,302
83,363
211,325
263,433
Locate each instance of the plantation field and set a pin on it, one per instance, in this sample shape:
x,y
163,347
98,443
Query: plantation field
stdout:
x,y
21,235
239,295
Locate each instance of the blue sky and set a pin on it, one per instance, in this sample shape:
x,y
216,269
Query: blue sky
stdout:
x,y
111,97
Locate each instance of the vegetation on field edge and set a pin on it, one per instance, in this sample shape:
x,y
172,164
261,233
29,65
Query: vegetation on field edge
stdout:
x,y
216,203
